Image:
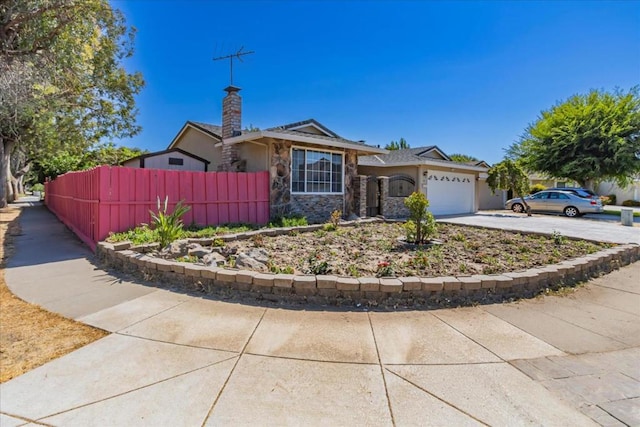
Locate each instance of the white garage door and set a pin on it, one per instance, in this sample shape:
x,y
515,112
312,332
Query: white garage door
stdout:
x,y
450,193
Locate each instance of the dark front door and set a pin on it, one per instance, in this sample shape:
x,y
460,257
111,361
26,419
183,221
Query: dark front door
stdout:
x,y
373,196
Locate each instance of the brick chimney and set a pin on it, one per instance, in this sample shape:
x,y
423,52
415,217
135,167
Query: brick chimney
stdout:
x,y
231,126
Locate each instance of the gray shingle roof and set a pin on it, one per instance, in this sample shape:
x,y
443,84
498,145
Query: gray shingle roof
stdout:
x,y
286,129
302,123
408,155
212,129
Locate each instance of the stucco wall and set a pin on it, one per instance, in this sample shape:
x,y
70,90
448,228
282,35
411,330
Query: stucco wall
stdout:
x,y
256,155
412,171
631,192
202,145
486,198
161,161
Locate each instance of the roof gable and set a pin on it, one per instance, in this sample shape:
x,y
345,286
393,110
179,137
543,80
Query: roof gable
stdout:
x,y
311,126
213,131
170,150
416,156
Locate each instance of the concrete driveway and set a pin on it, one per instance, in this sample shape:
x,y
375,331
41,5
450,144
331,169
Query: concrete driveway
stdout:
x,y
182,360
585,228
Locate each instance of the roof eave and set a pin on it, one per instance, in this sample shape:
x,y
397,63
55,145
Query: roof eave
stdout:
x,y
428,163
364,149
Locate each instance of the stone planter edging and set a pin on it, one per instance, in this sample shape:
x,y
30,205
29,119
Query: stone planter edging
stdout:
x,y
329,289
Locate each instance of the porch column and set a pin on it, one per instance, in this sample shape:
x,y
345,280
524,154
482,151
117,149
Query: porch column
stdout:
x,y
360,184
383,188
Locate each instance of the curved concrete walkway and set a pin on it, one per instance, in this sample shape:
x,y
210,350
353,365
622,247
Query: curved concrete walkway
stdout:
x,y
181,360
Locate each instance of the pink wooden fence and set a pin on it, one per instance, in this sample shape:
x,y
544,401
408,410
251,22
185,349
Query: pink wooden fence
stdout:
x,y
112,199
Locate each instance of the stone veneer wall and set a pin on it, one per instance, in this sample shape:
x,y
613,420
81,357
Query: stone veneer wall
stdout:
x,y
360,195
280,173
393,207
350,182
328,289
316,207
390,207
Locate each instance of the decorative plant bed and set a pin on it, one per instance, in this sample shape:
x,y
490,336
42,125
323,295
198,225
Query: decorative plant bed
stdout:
x,y
366,262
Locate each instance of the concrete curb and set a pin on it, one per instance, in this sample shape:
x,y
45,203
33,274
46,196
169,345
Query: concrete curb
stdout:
x,y
323,289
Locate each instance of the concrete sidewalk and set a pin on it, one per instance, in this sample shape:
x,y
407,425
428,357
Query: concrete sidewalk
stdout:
x,y
182,360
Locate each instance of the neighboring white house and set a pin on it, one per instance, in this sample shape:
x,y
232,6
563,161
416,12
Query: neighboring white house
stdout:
x,y
631,192
173,159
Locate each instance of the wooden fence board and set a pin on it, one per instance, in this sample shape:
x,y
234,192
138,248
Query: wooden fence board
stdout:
x,y
107,199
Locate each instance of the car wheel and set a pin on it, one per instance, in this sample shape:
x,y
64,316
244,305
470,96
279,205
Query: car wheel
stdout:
x,y
571,212
517,208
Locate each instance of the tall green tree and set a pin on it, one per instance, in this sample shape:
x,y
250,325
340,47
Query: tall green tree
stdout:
x,y
587,138
62,82
463,158
508,175
397,145
50,165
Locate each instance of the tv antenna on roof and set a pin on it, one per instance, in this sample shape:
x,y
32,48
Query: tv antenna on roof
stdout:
x,y
239,54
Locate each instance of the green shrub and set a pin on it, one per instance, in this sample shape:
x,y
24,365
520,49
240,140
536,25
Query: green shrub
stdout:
x,y
334,221
317,265
631,203
288,221
385,269
137,236
38,187
421,224
612,199
168,226
536,187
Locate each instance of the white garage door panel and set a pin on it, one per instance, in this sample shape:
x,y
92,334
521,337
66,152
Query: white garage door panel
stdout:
x,y
450,193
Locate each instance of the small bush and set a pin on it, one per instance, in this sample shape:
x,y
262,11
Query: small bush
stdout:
x,y
188,258
536,187
334,221
317,265
631,203
335,218
38,187
558,238
168,226
385,269
422,224
280,270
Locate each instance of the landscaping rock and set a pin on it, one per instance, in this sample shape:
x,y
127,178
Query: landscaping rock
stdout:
x,y
229,250
213,258
196,249
245,261
259,255
178,248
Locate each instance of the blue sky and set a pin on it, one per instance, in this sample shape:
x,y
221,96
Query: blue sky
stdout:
x,y
466,76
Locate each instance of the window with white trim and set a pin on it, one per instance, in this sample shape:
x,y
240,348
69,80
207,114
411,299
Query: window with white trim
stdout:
x,y
314,171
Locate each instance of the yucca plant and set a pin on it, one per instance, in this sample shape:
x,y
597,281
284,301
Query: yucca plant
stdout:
x,y
168,226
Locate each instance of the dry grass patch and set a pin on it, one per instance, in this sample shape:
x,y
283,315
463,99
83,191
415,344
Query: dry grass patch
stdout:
x,y
29,335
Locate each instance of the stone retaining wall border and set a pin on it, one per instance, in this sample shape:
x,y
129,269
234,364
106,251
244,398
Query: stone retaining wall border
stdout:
x,y
327,289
